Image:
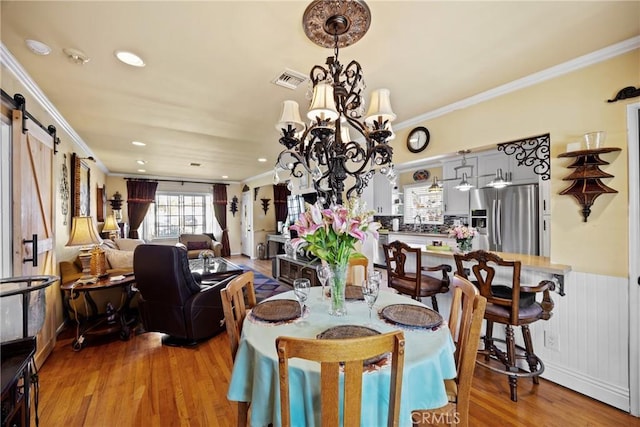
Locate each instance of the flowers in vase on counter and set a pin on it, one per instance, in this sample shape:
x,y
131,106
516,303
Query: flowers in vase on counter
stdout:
x,y
460,232
331,234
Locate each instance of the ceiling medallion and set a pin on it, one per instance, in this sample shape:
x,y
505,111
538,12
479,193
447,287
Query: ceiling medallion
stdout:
x,y
348,19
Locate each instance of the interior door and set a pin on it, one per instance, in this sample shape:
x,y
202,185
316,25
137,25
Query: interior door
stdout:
x,y
33,213
247,224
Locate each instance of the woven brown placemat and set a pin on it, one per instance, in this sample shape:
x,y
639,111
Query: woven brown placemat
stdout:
x,y
277,310
351,331
411,315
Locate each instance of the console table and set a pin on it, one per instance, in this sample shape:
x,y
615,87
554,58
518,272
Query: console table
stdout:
x,y
287,269
275,238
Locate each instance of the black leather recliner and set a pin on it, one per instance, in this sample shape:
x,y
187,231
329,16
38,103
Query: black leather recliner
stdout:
x,y
171,299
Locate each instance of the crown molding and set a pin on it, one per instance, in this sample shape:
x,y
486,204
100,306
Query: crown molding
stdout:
x,y
10,62
530,80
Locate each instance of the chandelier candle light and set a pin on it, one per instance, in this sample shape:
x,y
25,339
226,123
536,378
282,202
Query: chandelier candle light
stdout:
x,y
324,148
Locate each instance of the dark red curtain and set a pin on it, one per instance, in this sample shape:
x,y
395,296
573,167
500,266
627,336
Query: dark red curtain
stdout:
x,y
140,194
220,210
280,193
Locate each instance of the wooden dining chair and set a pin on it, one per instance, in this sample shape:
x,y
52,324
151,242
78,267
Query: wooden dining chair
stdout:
x,y
511,304
403,262
235,310
357,270
335,355
465,321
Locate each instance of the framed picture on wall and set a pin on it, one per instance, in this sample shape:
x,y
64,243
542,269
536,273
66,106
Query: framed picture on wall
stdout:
x,y
80,190
101,204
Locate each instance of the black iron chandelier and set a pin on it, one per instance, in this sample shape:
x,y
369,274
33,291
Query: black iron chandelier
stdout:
x,y
323,149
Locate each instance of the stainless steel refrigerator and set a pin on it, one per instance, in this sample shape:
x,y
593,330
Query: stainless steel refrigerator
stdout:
x,y
507,219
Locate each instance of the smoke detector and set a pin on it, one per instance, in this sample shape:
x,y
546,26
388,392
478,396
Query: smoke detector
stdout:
x,y
76,56
290,79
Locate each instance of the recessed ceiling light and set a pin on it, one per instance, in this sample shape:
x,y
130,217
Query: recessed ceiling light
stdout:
x,y
140,162
37,47
76,55
138,143
225,176
262,159
129,58
142,170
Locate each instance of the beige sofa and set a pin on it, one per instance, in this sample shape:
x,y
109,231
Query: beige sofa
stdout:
x,y
196,243
118,255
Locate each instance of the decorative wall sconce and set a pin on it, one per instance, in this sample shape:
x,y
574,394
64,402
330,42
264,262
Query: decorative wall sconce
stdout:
x,y
234,205
116,206
265,205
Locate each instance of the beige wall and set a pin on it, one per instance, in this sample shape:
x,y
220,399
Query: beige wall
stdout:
x,y
566,107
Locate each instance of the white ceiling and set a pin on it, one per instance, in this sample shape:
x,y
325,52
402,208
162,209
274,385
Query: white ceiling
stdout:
x,y
206,95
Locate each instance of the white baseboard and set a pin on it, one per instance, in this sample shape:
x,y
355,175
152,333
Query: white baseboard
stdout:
x,y
595,388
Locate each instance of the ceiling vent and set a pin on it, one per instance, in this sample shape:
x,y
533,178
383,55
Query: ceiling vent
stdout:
x,y
195,164
290,79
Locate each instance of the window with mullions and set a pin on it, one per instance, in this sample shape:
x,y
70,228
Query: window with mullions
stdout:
x,y
419,201
174,214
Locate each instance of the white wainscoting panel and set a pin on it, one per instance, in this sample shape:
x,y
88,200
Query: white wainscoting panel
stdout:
x,y
591,327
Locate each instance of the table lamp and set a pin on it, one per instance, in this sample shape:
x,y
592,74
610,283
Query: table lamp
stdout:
x,y
83,233
111,227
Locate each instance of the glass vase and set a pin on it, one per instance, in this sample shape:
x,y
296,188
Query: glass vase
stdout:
x,y
464,245
338,282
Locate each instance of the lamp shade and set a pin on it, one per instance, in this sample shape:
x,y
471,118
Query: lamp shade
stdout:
x,y
110,224
323,105
83,232
464,184
290,116
380,107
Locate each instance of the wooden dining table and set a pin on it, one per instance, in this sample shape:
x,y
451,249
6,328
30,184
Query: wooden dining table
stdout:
x,y
428,361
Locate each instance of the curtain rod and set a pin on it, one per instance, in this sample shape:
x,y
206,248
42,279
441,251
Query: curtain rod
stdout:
x,y
175,180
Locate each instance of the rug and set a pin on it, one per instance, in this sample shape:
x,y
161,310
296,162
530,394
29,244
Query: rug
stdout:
x,y
264,286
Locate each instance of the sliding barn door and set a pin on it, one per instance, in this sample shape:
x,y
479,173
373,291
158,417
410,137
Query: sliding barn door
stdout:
x,y
33,213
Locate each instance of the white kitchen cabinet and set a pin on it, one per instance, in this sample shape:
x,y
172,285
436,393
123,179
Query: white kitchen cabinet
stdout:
x,y
545,236
489,164
545,196
456,202
521,174
382,197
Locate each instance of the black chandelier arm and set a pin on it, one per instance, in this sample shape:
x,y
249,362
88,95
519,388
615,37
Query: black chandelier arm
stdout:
x,y
318,74
533,151
353,84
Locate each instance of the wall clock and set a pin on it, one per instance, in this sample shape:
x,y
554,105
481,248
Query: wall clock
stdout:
x,y
418,139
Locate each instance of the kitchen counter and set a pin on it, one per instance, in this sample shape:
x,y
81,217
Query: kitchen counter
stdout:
x,y
529,262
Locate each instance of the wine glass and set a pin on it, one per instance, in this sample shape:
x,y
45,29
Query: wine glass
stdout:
x,y
323,275
301,288
370,289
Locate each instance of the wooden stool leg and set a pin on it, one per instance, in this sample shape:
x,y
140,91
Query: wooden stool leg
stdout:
x,y
243,411
530,355
434,303
511,358
488,340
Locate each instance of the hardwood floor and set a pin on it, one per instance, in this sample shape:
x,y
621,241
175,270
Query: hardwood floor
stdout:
x,y
141,383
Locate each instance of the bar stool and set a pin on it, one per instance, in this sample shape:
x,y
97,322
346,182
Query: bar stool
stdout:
x,y
416,285
513,305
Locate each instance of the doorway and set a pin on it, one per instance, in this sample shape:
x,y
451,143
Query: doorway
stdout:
x,y
633,142
247,224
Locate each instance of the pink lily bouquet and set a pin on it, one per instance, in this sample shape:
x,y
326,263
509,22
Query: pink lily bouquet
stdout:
x,y
331,234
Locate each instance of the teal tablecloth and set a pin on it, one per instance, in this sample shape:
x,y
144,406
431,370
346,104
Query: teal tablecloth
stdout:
x,y
428,361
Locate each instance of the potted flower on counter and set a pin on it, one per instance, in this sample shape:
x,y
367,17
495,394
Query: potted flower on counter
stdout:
x,y
463,235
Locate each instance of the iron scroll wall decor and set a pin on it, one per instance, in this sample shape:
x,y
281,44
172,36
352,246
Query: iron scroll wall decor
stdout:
x,y
533,151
